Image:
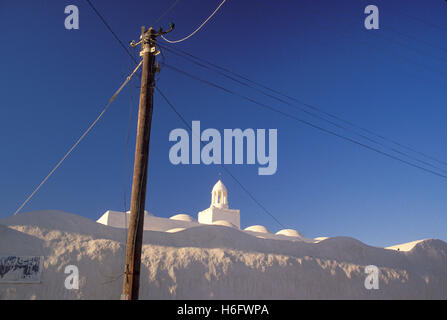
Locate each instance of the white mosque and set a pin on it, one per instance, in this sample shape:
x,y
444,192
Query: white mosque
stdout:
x,y
218,213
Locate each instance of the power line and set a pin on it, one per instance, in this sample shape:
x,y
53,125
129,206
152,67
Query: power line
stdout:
x,y
431,24
392,53
223,166
186,123
80,139
287,96
423,52
416,39
111,31
413,62
166,12
420,51
401,44
278,111
316,115
195,31
308,123
313,114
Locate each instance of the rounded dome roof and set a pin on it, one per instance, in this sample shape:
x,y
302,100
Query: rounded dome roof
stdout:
x,y
223,223
174,230
219,186
182,217
257,228
289,233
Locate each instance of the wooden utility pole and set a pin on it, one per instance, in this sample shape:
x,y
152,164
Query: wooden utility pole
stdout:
x,y
136,222
131,283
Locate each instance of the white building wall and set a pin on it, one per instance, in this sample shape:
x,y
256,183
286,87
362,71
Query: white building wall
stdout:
x,y
121,220
218,211
213,214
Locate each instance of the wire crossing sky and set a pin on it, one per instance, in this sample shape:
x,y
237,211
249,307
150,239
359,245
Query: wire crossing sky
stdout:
x,y
388,81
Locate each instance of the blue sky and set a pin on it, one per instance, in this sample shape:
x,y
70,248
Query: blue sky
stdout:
x,y
56,81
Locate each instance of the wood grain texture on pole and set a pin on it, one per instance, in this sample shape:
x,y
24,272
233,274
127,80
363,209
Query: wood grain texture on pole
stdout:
x,y
136,222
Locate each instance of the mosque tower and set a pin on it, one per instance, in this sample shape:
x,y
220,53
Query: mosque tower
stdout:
x,y
219,210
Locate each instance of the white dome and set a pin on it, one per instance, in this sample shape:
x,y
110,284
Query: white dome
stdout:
x,y
257,228
174,230
223,223
219,186
182,217
289,233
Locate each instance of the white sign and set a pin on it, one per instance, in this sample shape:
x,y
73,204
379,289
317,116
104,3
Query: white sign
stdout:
x,y
14,269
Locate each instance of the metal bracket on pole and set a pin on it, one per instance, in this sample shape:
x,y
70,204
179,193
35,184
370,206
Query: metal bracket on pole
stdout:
x,y
147,39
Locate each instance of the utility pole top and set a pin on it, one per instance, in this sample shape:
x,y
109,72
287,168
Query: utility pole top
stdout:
x,y
148,37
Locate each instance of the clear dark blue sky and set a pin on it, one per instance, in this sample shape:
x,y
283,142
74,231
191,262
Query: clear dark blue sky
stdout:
x,y
55,82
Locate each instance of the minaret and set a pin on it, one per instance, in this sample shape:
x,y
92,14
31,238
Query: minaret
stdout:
x,y
219,196
219,209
